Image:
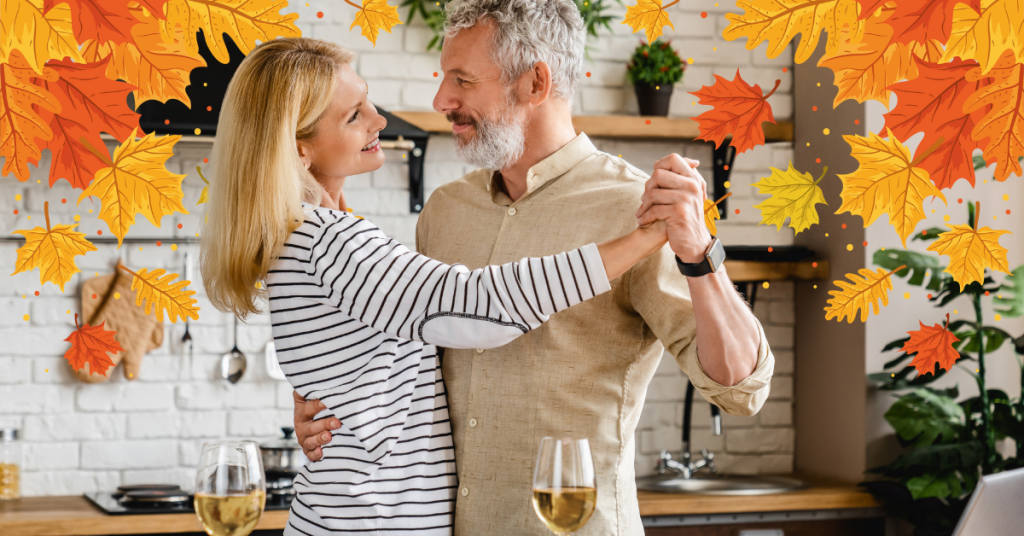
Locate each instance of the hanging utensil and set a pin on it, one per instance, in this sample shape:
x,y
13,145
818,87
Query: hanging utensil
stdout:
x,y
232,365
186,339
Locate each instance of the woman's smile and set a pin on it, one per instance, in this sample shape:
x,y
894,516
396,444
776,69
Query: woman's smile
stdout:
x,y
372,147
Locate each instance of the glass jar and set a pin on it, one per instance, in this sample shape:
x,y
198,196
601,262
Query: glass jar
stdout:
x,y
10,465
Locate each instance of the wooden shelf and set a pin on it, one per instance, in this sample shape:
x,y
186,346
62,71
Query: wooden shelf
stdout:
x,y
613,126
817,497
749,271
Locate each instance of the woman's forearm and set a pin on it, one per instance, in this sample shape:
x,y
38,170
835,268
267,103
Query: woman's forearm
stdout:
x,y
620,254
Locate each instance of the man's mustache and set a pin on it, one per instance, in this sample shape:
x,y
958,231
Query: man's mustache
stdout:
x,y
460,118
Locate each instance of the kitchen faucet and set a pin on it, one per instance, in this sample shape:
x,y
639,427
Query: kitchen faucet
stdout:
x,y
686,467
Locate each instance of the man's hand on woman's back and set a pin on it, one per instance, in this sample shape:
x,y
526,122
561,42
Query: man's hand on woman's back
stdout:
x,y
312,434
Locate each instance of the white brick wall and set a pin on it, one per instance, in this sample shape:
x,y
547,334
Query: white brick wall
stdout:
x,y
90,437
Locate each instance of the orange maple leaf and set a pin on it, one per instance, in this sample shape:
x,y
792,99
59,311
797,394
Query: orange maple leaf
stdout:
x,y
90,103
20,123
739,109
934,346
1002,122
98,19
919,20
933,103
90,344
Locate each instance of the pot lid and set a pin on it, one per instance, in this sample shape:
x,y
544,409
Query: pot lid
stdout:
x,y
287,442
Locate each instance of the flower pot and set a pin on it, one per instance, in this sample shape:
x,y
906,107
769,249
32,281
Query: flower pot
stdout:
x,y
653,100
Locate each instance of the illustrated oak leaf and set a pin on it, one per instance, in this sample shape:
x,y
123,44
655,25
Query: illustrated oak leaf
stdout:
x,y
244,21
933,103
100,20
779,22
934,346
90,103
21,99
137,181
160,295
649,16
970,251
90,344
986,33
863,294
920,20
888,182
738,109
1000,122
39,34
793,195
52,250
711,213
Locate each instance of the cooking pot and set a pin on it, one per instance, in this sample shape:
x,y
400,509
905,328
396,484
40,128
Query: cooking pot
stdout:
x,y
282,458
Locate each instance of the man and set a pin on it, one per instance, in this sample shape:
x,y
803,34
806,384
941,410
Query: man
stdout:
x,y
510,70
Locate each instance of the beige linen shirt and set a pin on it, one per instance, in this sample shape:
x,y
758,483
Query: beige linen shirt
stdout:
x,y
585,372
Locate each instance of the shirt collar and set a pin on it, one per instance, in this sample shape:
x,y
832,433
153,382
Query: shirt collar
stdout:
x,y
554,166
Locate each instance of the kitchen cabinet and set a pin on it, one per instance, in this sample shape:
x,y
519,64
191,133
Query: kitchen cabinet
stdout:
x,y
844,527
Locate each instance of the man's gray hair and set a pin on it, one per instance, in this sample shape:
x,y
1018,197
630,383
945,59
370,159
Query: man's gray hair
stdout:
x,y
526,32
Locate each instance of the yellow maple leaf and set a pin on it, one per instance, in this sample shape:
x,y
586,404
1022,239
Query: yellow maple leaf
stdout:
x,y
374,16
155,288
244,21
887,181
971,251
793,196
52,250
711,213
779,21
984,36
863,294
649,16
137,181
38,34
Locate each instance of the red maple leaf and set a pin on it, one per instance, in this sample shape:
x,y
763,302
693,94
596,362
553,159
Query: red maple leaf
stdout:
x,y
739,109
90,344
934,346
919,20
933,103
102,20
90,103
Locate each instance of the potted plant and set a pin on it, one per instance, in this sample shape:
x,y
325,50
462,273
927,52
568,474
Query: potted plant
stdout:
x,y
653,70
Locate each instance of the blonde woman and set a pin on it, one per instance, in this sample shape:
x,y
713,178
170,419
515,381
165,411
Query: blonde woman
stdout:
x,y
356,315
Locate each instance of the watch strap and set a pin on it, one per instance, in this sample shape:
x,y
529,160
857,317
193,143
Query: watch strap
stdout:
x,y
713,258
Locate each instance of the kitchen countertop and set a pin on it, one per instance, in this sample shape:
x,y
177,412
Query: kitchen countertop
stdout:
x,y
74,515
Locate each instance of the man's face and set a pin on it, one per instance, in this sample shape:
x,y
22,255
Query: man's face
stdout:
x,y
488,125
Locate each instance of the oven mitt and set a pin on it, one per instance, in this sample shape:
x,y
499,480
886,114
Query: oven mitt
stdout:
x,y
110,299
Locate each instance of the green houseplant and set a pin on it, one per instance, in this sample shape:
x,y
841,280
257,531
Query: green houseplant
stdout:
x,y
949,444
653,70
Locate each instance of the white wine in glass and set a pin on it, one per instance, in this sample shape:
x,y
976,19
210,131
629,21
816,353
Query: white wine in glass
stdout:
x,y
564,484
230,488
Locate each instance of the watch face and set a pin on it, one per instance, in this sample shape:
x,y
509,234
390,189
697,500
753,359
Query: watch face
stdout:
x,y
717,254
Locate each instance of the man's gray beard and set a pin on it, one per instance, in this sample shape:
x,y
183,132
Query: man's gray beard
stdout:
x,y
497,144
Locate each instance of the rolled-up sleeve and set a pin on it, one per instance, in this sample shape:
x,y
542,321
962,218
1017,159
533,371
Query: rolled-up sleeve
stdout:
x,y
659,293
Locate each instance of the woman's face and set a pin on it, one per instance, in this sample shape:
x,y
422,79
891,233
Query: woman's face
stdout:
x,y
345,142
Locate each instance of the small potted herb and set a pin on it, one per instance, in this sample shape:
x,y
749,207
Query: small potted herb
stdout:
x,y
653,70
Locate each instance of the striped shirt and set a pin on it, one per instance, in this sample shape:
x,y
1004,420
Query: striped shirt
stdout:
x,y
357,319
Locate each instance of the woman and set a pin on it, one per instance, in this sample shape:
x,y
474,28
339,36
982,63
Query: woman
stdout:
x,y
355,314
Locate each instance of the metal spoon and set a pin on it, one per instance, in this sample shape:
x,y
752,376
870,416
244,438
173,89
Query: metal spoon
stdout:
x,y
232,365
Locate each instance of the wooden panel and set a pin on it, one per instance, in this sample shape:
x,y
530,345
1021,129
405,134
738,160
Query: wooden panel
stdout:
x,y
844,527
742,271
613,126
815,498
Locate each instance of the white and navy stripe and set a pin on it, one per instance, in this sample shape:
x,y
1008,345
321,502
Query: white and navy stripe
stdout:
x,y
357,318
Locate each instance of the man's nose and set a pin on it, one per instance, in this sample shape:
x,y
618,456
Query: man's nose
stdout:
x,y
444,100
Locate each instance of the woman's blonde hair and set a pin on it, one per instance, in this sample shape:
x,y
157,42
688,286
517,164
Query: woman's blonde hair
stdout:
x,y
277,96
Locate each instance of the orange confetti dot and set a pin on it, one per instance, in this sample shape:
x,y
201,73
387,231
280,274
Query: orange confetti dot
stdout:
x,y
737,211
865,243
158,243
99,232
986,293
180,226
63,200
929,295
588,74
814,265
924,232
167,121
703,14
844,226
37,293
435,74
319,14
960,200
1007,212
856,121
94,296
785,69
15,212
206,160
769,249
648,122
726,167
817,160
209,108
814,108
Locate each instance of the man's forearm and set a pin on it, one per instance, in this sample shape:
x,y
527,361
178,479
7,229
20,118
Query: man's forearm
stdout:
x,y
727,336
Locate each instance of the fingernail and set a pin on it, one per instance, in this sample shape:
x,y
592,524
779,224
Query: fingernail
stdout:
x,y
335,425
325,436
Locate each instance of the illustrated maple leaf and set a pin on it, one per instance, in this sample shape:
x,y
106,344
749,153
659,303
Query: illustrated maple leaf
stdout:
x,y
39,34
933,103
244,21
90,344
793,196
52,250
90,103
649,16
711,213
374,16
863,294
20,123
887,181
986,33
160,295
1001,122
203,195
738,109
970,251
137,181
98,19
920,20
779,21
934,346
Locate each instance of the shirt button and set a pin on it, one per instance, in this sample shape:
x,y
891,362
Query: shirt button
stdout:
x,y
472,423
465,491
512,211
479,350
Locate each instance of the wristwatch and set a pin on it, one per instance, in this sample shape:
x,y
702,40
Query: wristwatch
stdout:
x,y
713,258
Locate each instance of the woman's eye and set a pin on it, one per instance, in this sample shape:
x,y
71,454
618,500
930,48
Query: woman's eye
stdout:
x,y
354,116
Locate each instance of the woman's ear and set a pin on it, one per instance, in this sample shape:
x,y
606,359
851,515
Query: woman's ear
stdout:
x,y
305,153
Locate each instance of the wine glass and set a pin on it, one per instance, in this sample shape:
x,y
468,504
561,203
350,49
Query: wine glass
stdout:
x,y
230,488
564,485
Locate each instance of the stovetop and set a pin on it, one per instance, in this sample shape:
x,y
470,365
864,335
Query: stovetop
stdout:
x,y
113,503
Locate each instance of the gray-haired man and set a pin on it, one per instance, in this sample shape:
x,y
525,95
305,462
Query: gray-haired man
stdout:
x,y
510,70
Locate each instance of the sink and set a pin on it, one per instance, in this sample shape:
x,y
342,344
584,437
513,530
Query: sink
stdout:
x,y
709,484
